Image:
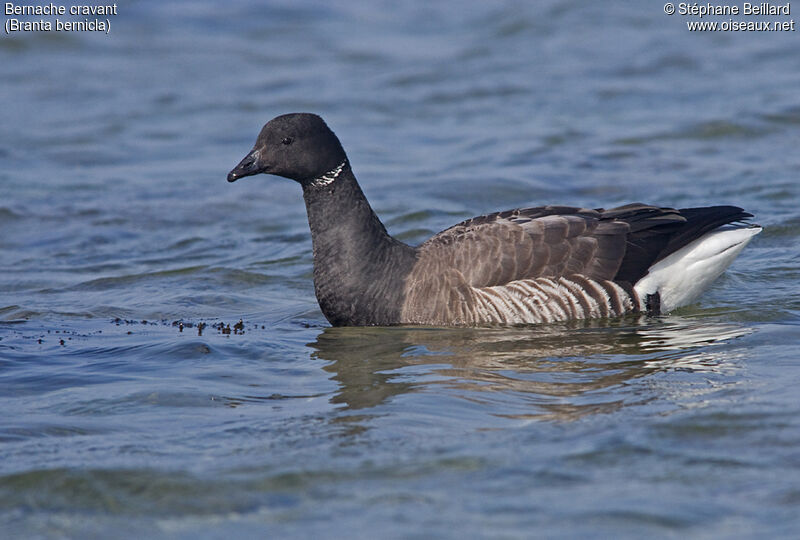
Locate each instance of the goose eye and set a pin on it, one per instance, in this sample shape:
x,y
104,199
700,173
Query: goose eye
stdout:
x,y
287,140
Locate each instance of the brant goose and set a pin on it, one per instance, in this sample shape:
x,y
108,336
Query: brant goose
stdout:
x,y
523,266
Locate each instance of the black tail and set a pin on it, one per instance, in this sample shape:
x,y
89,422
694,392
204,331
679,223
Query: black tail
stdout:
x,y
658,232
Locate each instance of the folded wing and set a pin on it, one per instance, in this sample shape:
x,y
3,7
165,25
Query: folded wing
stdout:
x,y
513,266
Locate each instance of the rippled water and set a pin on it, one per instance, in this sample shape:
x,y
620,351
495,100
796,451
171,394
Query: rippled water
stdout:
x,y
119,237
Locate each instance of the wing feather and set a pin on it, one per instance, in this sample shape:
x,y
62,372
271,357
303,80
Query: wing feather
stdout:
x,y
503,267
528,243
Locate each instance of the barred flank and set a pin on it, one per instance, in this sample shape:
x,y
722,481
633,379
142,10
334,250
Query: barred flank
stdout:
x,y
544,300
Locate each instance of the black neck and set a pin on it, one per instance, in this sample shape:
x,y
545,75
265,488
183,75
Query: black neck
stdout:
x,y
358,268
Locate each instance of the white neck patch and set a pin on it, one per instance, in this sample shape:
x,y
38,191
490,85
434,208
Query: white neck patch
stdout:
x,y
329,177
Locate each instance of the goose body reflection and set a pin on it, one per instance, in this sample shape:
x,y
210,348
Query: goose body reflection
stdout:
x,y
561,371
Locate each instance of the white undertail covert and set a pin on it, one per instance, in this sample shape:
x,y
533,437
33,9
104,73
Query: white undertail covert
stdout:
x,y
680,277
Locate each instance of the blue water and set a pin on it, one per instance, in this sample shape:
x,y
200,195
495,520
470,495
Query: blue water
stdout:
x,y
117,227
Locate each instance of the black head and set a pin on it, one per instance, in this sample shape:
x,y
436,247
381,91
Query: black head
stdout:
x,y
299,146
